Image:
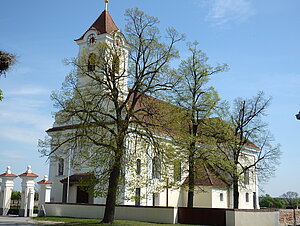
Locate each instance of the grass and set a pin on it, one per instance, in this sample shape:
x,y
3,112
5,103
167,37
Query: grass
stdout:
x,y
83,221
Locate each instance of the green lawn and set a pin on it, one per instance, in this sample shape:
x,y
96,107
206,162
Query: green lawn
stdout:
x,y
81,221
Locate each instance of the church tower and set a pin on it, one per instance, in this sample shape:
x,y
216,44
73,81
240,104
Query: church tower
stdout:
x,y
64,177
104,30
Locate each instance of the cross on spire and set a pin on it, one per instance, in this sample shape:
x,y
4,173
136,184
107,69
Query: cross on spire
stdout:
x,y
106,3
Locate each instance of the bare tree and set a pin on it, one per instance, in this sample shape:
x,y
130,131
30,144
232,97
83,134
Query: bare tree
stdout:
x,y
103,114
242,133
291,198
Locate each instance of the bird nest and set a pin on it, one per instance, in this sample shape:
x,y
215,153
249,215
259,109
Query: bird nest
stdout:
x,y
6,60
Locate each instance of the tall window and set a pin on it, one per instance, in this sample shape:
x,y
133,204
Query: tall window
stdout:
x,y
116,64
177,171
247,197
92,62
155,199
138,166
246,177
61,166
221,197
138,196
156,168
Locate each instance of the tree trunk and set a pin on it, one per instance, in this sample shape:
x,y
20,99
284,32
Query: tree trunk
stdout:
x,y
235,193
191,180
110,205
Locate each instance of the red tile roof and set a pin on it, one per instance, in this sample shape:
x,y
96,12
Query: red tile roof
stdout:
x,y
76,178
206,177
103,25
8,175
28,175
154,115
45,182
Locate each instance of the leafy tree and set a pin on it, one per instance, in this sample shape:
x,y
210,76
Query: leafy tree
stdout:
x,y
291,198
104,116
196,102
6,61
16,195
269,202
245,131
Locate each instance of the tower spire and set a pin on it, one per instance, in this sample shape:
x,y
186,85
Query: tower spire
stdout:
x,y
106,3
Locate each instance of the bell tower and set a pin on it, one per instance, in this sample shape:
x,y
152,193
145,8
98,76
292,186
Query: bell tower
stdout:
x,y
104,30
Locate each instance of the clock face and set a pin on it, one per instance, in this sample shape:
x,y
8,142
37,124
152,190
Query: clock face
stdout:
x,y
91,40
118,41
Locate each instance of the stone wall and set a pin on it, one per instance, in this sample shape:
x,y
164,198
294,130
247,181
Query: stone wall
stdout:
x,y
289,216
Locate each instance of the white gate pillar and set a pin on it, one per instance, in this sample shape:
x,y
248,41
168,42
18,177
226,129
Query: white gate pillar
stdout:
x,y
27,197
44,196
6,190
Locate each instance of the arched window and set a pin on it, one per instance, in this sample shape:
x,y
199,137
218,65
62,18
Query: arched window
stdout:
x,y
92,62
177,171
61,166
221,197
156,167
138,166
246,177
116,64
247,197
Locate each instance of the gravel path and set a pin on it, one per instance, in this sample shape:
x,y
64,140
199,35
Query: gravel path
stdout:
x,y
16,220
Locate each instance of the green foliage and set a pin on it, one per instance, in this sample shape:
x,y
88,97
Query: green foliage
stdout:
x,y
246,132
291,199
95,98
269,202
16,195
196,102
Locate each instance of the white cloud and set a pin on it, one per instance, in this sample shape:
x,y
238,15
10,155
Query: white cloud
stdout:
x,y
20,134
28,91
24,118
12,154
224,12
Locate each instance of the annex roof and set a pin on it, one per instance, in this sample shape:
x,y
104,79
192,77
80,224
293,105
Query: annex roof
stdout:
x,y
45,182
26,174
8,175
206,177
76,178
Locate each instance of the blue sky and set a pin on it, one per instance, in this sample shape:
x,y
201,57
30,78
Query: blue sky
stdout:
x,y
259,40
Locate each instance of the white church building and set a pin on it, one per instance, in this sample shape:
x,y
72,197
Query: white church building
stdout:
x,y
211,190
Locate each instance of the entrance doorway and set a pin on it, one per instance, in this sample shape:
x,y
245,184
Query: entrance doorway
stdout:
x,y
82,196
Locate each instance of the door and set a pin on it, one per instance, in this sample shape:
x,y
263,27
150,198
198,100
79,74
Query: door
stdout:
x,y
82,196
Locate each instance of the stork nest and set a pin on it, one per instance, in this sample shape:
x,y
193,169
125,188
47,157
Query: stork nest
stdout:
x,y
6,60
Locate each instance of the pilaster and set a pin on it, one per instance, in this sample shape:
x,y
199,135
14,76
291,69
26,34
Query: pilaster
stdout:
x,y
27,197
44,195
6,190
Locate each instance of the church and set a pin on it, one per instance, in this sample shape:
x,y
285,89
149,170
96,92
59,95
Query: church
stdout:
x,y
67,177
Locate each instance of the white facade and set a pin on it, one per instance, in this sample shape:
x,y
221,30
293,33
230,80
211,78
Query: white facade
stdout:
x,y
152,192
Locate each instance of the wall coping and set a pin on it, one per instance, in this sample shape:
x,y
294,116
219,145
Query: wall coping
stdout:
x,y
88,204
169,207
